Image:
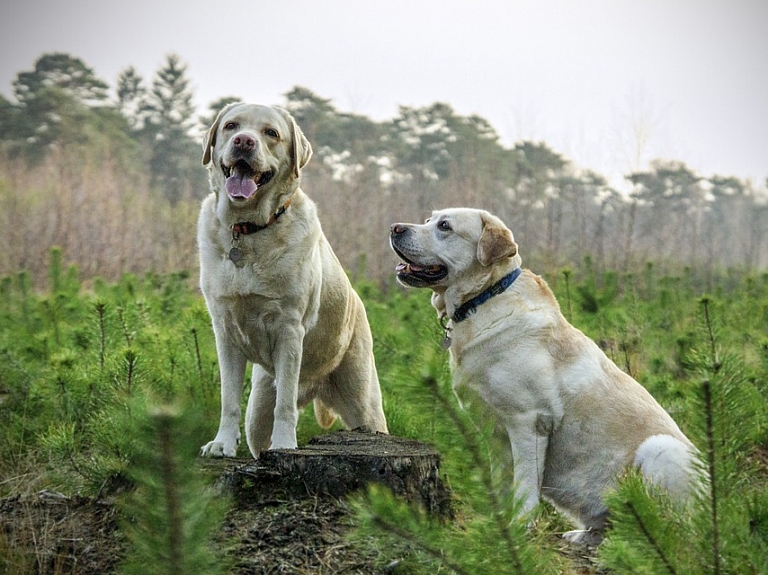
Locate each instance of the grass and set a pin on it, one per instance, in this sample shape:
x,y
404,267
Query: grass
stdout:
x,y
75,363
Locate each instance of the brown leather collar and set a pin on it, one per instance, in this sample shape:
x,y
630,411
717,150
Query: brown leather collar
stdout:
x,y
246,228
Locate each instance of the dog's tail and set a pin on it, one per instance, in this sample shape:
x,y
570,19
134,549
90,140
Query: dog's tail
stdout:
x,y
325,417
672,465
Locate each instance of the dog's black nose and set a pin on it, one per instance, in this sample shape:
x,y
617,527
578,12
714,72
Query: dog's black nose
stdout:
x,y
397,229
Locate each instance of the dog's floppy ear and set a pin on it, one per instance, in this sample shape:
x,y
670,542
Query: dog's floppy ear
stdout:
x,y
301,149
210,138
496,241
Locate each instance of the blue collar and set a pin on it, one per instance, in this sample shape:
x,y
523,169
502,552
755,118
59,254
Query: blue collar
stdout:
x,y
470,307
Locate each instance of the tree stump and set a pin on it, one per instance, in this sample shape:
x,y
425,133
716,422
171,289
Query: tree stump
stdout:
x,y
342,462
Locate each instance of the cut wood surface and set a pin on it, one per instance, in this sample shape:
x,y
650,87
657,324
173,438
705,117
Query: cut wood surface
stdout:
x,y
339,463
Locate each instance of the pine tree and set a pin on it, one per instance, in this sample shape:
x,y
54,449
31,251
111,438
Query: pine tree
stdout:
x,y
67,73
131,98
725,530
53,102
172,514
170,99
170,119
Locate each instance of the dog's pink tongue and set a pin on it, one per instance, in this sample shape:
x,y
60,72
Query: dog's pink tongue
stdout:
x,y
240,186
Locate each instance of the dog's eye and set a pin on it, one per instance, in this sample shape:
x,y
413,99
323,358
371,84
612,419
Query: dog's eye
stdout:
x,y
230,126
444,225
271,133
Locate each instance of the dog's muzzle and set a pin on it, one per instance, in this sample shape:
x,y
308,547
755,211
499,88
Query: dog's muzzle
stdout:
x,y
410,272
242,176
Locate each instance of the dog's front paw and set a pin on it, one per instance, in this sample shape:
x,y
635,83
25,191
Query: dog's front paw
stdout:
x,y
218,449
283,436
589,537
283,444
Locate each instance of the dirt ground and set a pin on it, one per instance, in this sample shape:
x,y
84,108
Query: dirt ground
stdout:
x,y
290,514
274,528
49,534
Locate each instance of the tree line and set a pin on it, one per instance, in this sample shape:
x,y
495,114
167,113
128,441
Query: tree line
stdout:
x,y
112,174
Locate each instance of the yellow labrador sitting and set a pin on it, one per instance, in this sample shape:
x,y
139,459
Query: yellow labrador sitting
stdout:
x,y
575,421
276,293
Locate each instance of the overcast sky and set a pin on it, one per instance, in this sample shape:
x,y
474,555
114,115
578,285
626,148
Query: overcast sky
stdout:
x,y
685,79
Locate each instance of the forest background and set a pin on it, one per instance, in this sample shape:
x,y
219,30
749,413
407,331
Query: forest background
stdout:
x,y
112,175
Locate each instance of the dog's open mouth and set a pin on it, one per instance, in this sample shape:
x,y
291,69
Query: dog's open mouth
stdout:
x,y
242,180
419,275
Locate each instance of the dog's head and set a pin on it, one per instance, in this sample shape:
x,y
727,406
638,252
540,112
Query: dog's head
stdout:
x,y
454,246
251,147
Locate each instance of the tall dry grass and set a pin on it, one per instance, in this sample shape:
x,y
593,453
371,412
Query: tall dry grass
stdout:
x,y
99,206
104,215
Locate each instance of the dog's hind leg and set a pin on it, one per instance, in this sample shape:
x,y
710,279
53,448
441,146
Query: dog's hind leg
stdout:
x,y
260,414
353,389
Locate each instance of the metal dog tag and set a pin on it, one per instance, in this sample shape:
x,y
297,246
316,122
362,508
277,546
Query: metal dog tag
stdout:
x,y
446,343
235,254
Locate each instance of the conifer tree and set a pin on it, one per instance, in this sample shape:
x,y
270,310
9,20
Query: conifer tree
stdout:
x,y
53,103
725,528
169,106
67,73
131,98
170,98
172,514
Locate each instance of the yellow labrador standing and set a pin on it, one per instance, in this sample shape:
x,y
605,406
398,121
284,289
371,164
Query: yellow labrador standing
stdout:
x,y
575,421
276,293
